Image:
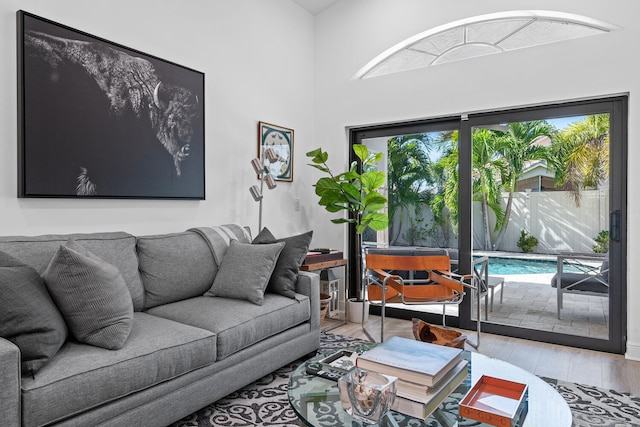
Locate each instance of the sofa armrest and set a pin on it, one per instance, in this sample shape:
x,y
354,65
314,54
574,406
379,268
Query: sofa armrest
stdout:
x,y
10,380
309,284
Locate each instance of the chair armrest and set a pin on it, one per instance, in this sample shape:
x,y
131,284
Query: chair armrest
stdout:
x,y
10,379
309,284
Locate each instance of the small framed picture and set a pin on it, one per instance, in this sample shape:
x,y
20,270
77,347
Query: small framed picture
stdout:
x,y
281,140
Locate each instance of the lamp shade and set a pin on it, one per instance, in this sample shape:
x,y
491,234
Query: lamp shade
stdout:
x,y
271,155
271,183
257,166
255,193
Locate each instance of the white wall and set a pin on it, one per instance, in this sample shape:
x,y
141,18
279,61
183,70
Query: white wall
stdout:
x,y
257,56
353,32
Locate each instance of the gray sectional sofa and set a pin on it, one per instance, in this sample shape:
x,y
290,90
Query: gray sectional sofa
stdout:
x,y
184,350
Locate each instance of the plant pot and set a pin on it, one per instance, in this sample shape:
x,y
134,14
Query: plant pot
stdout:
x,y
355,310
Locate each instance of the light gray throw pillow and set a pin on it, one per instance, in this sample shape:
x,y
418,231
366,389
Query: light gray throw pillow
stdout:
x,y
284,277
28,316
245,271
91,295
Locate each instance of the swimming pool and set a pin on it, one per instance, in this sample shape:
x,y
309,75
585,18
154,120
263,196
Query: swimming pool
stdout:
x,y
502,266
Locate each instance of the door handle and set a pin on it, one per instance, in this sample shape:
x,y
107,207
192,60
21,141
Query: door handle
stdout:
x,y
614,225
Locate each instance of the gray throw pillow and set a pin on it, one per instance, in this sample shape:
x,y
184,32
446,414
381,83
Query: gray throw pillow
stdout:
x,y
28,316
91,295
284,277
245,271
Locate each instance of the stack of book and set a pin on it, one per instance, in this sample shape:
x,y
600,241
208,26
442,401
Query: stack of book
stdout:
x,y
427,373
315,256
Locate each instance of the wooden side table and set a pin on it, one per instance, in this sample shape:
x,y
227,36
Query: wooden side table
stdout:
x,y
326,265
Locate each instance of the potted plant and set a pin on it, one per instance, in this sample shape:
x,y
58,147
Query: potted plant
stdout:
x,y
355,191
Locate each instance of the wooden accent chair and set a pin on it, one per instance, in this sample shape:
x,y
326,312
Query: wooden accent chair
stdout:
x,y
423,279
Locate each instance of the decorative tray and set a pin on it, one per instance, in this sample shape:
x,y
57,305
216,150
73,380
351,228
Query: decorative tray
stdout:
x,y
496,401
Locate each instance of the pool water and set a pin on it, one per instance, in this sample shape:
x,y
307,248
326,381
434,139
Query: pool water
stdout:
x,y
500,266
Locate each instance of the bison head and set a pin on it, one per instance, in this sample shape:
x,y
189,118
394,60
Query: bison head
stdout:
x,y
173,116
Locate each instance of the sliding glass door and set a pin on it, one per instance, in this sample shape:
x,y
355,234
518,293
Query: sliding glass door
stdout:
x,y
540,190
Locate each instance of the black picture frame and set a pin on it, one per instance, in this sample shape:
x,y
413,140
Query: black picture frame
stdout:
x,y
100,120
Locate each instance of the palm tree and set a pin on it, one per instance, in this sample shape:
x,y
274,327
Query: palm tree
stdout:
x,y
444,202
487,167
580,155
409,176
488,172
517,147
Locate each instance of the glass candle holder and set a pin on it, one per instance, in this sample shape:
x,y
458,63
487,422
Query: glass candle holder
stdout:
x,y
367,395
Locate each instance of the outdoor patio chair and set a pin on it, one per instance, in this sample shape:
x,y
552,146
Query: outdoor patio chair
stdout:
x,y
423,279
591,277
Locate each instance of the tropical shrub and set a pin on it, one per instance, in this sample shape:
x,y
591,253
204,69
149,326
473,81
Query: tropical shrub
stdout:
x,y
602,242
527,242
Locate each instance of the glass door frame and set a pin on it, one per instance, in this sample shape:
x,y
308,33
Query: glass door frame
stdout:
x,y
358,135
617,108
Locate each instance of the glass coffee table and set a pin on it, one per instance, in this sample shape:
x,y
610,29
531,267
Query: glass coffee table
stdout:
x,y
316,400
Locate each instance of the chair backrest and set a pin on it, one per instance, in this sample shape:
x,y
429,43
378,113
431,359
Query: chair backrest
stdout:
x,y
427,263
408,262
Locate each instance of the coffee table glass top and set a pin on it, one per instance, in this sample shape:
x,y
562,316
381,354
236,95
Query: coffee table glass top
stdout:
x,y
317,400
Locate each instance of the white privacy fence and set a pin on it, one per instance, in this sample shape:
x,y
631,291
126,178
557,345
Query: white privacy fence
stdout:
x,y
555,220
552,217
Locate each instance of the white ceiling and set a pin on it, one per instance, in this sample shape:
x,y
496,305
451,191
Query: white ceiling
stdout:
x,y
316,6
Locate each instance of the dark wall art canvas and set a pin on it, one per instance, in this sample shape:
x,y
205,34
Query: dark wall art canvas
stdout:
x,y
100,120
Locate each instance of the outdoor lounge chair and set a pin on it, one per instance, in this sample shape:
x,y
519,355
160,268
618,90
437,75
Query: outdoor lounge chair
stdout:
x,y
592,277
421,279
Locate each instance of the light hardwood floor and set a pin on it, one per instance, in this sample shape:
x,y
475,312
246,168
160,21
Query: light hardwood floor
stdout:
x,y
605,370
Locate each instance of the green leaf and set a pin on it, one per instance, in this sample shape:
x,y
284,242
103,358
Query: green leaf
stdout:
x,y
341,220
373,202
318,156
373,180
361,151
332,198
320,167
314,153
376,221
334,208
352,192
351,175
326,184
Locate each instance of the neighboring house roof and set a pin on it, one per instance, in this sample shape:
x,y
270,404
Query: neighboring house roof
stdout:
x,y
535,168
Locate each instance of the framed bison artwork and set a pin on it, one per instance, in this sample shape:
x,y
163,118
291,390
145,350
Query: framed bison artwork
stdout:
x,y
100,120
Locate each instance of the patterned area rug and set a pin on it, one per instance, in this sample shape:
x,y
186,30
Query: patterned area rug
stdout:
x,y
265,402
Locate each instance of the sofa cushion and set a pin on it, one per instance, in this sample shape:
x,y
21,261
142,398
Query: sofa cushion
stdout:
x,y
117,248
285,274
174,267
91,295
245,271
587,283
237,323
28,316
81,377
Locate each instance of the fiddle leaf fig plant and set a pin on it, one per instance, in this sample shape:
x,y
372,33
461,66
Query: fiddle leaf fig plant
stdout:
x,y
352,191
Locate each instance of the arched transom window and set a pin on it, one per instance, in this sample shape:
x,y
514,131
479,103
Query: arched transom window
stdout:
x,y
482,35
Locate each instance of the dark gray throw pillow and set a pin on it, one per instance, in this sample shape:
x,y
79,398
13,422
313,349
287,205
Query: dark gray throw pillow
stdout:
x,y
245,271
28,316
91,295
284,277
